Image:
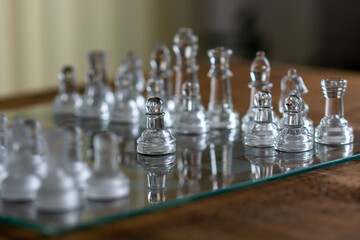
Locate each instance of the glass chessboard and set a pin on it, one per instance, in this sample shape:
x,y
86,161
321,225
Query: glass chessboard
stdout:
x,y
203,166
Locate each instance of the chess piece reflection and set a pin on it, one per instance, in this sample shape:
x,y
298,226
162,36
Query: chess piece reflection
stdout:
x,y
290,161
328,153
260,81
156,169
220,110
263,130
334,128
262,161
221,144
68,101
293,82
189,161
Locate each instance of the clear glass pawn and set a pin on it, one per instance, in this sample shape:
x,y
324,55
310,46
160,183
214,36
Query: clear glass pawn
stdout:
x,y
262,131
294,137
289,83
185,48
260,81
155,139
59,191
38,159
125,110
156,169
334,128
97,60
95,107
107,182
220,110
192,119
68,101
22,182
160,63
74,163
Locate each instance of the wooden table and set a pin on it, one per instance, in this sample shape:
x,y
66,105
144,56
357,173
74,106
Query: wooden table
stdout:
x,y
322,204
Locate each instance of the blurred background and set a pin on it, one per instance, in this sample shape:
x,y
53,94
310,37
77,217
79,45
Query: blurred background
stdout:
x,y
37,37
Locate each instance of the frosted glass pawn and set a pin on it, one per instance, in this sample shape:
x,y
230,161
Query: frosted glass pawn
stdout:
x,y
262,131
294,137
59,191
192,118
107,182
22,182
155,139
4,145
334,128
95,107
125,110
289,83
38,159
156,169
220,110
74,163
160,63
97,60
260,81
68,101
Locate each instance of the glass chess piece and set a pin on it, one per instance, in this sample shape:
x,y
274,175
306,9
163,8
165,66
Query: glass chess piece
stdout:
x,y
290,161
155,139
263,130
22,182
260,81
95,106
131,67
334,128
189,161
125,110
68,101
97,61
161,68
220,110
74,163
221,146
59,191
192,119
155,88
294,137
185,48
37,159
262,161
4,146
156,169
289,83
107,182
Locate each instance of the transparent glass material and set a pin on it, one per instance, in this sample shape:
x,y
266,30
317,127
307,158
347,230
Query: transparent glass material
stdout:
x,y
334,128
206,165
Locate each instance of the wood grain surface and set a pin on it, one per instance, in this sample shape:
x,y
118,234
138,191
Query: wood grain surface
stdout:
x,y
322,204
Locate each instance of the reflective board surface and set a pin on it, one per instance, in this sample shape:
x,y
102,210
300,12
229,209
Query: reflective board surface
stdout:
x,y
203,166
